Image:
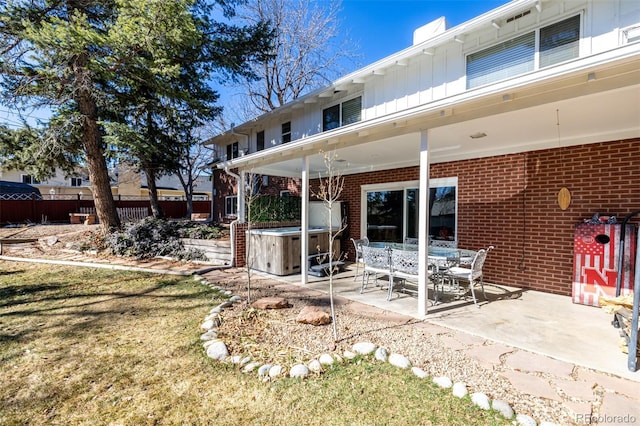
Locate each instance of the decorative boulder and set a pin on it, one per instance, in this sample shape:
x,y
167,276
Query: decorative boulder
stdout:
x,y
218,351
364,348
400,361
299,371
271,303
314,316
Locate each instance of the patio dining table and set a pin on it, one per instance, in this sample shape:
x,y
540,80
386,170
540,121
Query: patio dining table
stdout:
x,y
440,258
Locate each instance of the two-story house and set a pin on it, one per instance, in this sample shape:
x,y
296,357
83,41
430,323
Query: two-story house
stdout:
x,y
473,134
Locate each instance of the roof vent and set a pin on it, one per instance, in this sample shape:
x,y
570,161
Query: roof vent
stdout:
x,y
519,15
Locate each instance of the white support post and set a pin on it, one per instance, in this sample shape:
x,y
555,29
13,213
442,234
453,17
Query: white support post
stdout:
x,y
242,187
304,221
423,231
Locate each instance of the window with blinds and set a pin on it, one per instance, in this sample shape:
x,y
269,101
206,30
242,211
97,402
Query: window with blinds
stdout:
x,y
560,42
507,59
347,112
555,43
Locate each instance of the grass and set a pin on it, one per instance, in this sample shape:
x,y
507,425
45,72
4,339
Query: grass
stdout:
x,y
88,346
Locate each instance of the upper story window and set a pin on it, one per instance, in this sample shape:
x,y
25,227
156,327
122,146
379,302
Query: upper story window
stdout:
x,y
286,132
76,181
260,141
342,114
547,46
232,151
29,179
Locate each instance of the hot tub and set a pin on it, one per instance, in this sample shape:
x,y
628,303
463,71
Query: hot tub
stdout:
x,y
278,250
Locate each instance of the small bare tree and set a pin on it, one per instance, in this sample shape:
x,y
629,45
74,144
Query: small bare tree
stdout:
x,y
329,191
253,209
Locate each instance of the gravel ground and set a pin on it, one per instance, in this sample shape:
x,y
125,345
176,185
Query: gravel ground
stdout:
x,y
274,336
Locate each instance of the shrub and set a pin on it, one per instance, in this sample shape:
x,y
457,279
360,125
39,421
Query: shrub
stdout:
x,y
150,238
203,231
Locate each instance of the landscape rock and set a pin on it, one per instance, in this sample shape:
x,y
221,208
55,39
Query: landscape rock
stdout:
x,y
481,400
250,367
218,351
460,390
263,370
400,361
207,325
314,316
209,335
299,371
235,299
381,354
315,366
349,355
443,382
525,420
502,407
271,303
275,371
419,372
326,359
363,348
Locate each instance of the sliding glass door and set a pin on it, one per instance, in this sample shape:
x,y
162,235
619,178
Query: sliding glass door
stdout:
x,y
390,211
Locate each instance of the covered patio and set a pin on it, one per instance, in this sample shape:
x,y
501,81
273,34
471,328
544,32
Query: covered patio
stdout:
x,y
523,130
534,321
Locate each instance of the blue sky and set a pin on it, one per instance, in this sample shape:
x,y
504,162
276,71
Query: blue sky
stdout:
x,y
384,27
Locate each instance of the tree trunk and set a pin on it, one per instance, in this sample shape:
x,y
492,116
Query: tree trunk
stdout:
x,y
156,211
94,151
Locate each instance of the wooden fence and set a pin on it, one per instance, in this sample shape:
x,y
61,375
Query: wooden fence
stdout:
x,y
57,211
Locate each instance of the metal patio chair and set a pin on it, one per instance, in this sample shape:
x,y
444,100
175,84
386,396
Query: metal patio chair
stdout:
x,y
472,275
358,244
376,261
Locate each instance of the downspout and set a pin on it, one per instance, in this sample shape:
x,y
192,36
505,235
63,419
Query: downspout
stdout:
x,y
234,223
240,208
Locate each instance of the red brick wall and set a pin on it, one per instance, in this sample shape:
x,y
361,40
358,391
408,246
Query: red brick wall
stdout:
x,y
510,202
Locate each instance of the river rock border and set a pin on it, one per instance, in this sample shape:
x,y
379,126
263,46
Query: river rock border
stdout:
x,y
217,350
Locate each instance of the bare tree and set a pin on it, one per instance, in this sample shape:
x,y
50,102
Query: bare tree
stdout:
x,y
329,191
309,50
253,210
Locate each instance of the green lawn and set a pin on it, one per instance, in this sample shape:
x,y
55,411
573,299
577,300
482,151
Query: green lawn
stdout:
x,y
89,346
